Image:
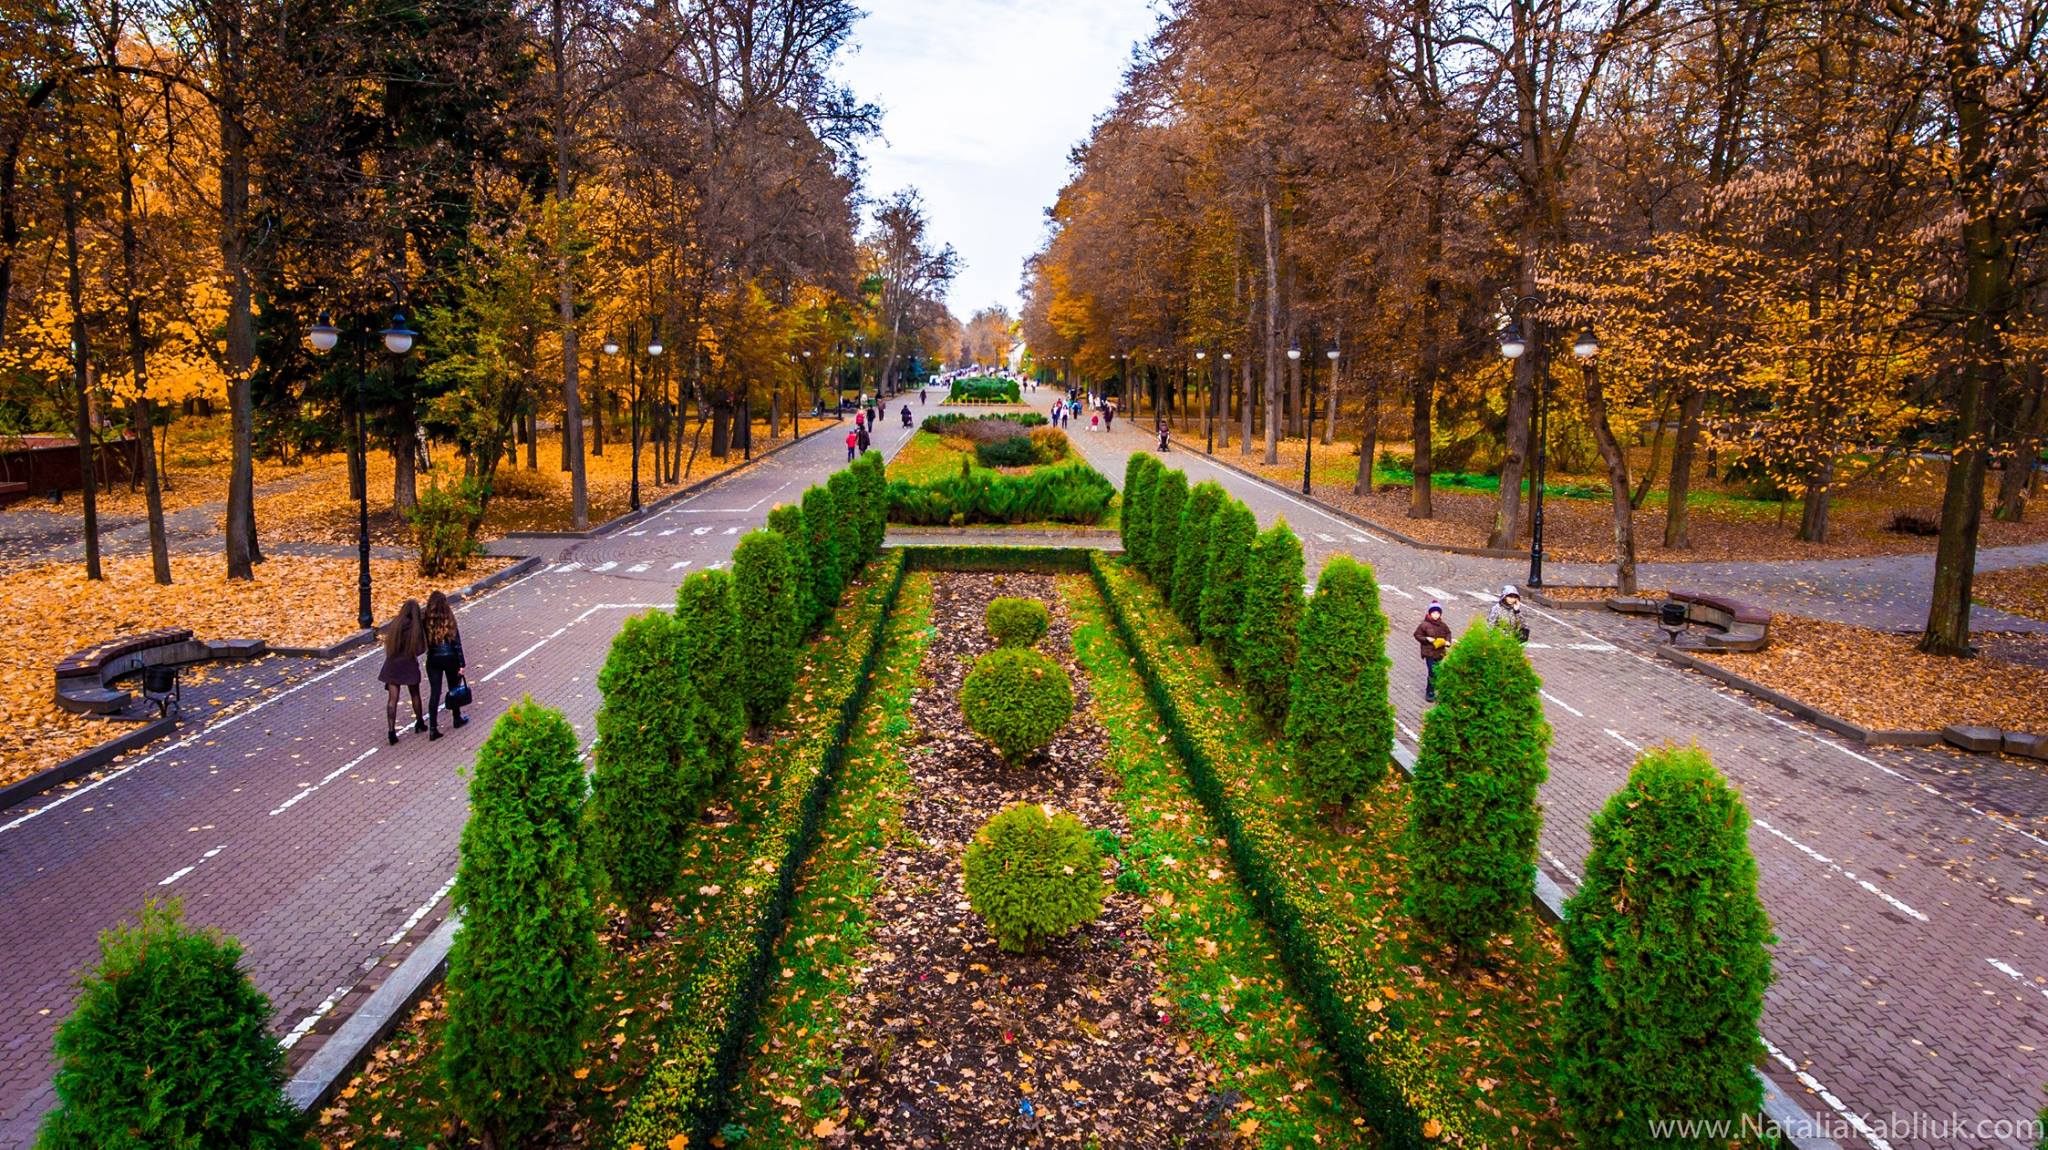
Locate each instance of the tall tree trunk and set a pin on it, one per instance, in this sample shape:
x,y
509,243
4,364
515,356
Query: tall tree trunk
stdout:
x,y
565,269
1368,433
1617,482
405,489
1330,411
1678,496
81,354
2016,485
138,353
1815,502
1273,357
230,102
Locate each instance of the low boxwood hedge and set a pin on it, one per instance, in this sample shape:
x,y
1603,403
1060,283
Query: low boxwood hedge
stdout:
x,y
1069,493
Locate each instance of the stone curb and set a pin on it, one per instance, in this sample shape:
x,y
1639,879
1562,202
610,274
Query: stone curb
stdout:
x,y
338,1058
85,762
1779,1107
1358,520
1865,735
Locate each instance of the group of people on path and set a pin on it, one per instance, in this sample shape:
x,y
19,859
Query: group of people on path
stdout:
x,y
431,632
1434,635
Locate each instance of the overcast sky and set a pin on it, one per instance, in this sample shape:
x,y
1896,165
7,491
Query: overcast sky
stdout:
x,y
982,99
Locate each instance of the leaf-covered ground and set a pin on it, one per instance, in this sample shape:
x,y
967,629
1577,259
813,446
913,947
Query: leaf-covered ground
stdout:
x,y
2020,590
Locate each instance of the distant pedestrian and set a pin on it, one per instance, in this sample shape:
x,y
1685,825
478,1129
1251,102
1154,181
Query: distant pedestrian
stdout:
x,y
1435,637
404,640
445,664
920,397
852,443
1094,422
1507,613
862,433
1162,435
1109,417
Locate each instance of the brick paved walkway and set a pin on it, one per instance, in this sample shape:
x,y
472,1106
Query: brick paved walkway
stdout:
x,y
1907,888
293,826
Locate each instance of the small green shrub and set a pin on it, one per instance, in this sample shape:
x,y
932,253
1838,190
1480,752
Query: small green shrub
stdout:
x,y
444,522
1034,874
1016,622
1162,546
848,530
1015,451
1472,813
650,773
1262,648
1071,492
873,484
764,598
520,969
951,422
787,520
708,642
984,389
1231,535
1140,471
169,1045
1049,445
1017,699
1338,712
828,567
1665,959
1191,565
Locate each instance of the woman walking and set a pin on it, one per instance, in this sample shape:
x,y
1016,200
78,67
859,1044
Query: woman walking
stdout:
x,y
404,639
444,663
1434,635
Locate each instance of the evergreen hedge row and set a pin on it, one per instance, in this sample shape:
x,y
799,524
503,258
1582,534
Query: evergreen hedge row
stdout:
x,y
1162,544
1067,493
1139,472
1232,532
169,1045
873,485
764,598
1262,648
1191,566
1472,811
708,637
847,532
828,567
787,520
1339,716
1666,959
651,773
520,969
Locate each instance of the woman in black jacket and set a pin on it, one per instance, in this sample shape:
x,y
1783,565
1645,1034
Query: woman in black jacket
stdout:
x,y
444,661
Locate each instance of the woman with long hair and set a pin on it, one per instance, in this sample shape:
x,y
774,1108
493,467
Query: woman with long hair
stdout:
x,y
404,639
444,662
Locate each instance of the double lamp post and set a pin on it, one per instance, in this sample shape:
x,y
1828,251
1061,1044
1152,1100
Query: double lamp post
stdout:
x,y
398,341
1515,342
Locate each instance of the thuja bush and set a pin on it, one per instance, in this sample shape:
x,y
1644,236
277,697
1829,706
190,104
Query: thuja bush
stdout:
x,y
828,567
764,598
1162,545
520,969
1268,629
1191,565
1472,814
1665,959
847,527
1017,699
1017,622
1015,451
873,484
787,520
1033,874
1071,492
650,773
1232,532
1338,713
169,1045
708,645
1139,471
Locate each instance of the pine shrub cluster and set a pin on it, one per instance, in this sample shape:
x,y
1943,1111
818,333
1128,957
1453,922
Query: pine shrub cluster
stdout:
x,y
1666,959
1263,645
1017,622
520,969
764,598
1339,716
169,1045
1473,817
1231,535
1191,566
1033,874
1139,471
1017,699
651,773
1162,545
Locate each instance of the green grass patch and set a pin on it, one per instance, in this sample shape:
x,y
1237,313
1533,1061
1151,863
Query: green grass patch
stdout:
x,y
1219,965
928,457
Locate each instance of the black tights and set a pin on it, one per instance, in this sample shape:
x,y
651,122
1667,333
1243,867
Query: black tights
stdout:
x,y
437,678
391,704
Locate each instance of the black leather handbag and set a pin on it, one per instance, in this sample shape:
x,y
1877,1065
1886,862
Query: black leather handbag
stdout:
x,y
459,695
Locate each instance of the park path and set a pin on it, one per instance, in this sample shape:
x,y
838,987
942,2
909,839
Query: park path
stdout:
x,y
1907,887
293,826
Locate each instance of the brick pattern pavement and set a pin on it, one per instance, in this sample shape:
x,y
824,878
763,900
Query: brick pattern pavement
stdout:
x,y
1907,887
292,825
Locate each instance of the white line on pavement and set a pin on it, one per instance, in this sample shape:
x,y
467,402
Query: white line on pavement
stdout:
x,y
1593,647
1357,538
1436,593
1876,1141
1565,870
636,568
1562,703
642,531
331,776
679,564
1482,596
606,566
732,531
414,919
701,530
181,872
557,633
1395,590
670,531
307,1023
1407,732
1326,537
1837,868
2016,976
1617,737
566,567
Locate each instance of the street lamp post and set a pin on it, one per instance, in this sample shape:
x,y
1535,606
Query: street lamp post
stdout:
x,y
1514,343
398,340
654,350
1309,384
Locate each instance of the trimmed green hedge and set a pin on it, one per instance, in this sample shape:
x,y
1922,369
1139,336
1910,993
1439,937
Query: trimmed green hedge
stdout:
x,y
979,557
1162,545
787,520
708,640
651,772
764,598
984,389
1191,566
1141,471
1262,648
1338,714
828,567
1014,621
1068,493
1232,532
940,423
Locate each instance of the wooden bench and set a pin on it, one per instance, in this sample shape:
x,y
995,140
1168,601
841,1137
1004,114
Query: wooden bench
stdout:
x,y
84,679
1734,626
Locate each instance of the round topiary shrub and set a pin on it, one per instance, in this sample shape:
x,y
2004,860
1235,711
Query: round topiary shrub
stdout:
x,y
1665,959
169,1045
1017,699
1033,874
1016,622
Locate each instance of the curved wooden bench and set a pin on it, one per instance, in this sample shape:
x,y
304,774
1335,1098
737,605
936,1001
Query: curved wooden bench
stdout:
x,y
84,679
1735,626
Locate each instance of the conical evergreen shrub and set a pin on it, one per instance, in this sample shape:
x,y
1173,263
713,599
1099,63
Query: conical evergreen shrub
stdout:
x,y
708,638
764,597
847,528
519,972
1338,712
828,567
1191,566
651,773
1162,546
1665,959
787,520
169,1045
1263,645
1231,535
1472,813
1136,525
873,485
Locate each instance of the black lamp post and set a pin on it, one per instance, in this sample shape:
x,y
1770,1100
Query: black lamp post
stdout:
x,y
1208,410
654,349
1308,432
399,338
1514,343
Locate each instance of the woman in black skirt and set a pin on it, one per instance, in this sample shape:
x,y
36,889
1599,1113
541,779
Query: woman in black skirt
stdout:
x,y
444,661
404,639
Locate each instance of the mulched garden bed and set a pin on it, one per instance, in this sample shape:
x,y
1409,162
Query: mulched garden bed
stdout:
x,y
959,1043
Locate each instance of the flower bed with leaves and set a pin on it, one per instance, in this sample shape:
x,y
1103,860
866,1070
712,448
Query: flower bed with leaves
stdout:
x,y
1451,1055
